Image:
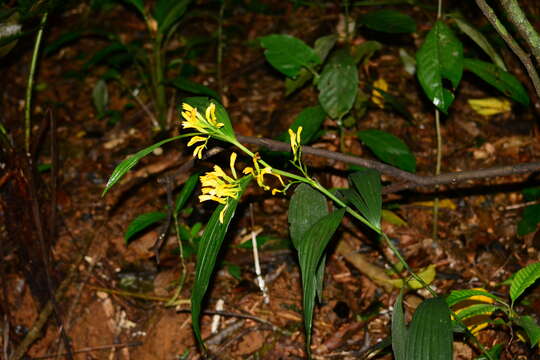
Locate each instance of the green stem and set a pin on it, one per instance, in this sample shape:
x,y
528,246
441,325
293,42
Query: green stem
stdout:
x,y
30,84
437,172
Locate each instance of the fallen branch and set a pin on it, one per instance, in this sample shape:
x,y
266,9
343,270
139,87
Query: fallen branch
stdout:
x,y
407,180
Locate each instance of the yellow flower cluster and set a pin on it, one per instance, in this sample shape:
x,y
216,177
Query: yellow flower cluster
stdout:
x,y
205,125
259,173
218,186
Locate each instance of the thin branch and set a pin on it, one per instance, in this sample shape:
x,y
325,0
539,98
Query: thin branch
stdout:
x,y
407,180
523,57
93,348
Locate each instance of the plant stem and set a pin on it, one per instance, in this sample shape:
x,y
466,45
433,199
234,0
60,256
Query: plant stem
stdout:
x,y
437,172
220,48
30,84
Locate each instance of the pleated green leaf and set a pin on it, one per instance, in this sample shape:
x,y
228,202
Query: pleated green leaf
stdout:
x,y
366,195
523,279
310,252
399,329
476,310
457,296
439,58
430,334
531,328
307,206
208,250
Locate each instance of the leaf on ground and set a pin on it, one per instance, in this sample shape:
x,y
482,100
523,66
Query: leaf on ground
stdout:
x,y
490,106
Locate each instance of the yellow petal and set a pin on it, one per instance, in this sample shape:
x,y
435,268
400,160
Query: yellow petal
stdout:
x,y
196,139
187,107
298,132
198,151
222,213
211,114
248,170
232,161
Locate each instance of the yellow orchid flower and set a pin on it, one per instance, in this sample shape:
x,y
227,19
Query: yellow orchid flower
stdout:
x,y
205,125
295,142
259,173
218,186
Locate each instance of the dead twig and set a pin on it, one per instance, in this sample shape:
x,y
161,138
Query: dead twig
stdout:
x,y
93,348
407,180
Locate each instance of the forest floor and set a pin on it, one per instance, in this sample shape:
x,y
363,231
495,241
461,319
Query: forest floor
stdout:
x,y
116,304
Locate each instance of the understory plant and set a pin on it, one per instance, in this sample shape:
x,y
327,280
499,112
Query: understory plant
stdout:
x,y
312,224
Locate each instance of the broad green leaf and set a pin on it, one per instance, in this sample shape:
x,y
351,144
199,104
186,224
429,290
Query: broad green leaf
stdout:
x,y
523,279
100,97
389,21
310,251
365,195
476,310
389,148
139,5
201,103
186,192
288,54
207,253
235,271
529,220
291,85
338,84
311,120
307,206
499,79
479,39
182,83
399,329
531,328
131,161
141,222
494,352
323,45
457,296
430,334
364,51
175,9
439,58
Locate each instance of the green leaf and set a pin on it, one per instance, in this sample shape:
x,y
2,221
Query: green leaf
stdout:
x,y
307,206
393,218
100,97
207,253
185,193
311,120
531,194
529,220
323,45
139,5
201,103
495,353
288,54
131,161
479,39
476,310
531,328
367,198
310,251
61,41
141,222
523,279
235,271
389,21
184,84
170,12
364,51
430,334
338,84
499,79
457,296
291,85
399,329
389,148
440,57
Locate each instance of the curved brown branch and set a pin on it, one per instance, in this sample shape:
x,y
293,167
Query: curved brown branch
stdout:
x,y
406,180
